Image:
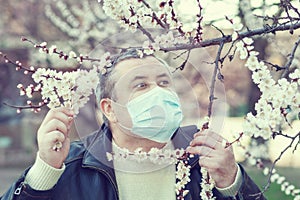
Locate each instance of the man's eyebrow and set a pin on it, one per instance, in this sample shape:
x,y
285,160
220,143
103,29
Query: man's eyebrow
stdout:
x,y
138,78
163,75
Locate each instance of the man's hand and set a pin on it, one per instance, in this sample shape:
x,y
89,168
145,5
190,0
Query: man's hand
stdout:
x,y
54,129
218,160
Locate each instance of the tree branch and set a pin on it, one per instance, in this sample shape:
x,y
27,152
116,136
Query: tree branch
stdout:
x,y
33,107
291,58
144,31
181,67
213,81
227,38
154,15
275,161
18,64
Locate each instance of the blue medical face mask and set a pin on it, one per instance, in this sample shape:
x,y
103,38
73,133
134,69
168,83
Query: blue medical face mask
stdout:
x,y
155,115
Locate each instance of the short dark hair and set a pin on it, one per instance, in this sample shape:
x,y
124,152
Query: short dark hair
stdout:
x,y
106,85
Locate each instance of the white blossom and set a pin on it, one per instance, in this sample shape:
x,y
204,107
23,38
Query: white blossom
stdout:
x,y
43,44
237,26
297,197
148,50
207,184
182,174
28,92
280,180
248,41
275,96
72,54
109,156
140,155
234,36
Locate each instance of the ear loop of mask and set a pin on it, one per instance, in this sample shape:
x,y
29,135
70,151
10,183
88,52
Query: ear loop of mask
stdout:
x,y
118,123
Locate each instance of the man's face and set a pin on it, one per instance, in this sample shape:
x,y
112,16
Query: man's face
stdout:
x,y
134,77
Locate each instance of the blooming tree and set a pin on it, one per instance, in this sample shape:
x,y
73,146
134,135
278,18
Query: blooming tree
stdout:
x,y
276,108
84,23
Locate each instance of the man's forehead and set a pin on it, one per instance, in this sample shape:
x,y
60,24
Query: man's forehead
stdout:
x,y
140,67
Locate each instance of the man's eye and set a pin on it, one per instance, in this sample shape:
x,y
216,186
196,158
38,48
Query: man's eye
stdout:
x,y
140,85
164,83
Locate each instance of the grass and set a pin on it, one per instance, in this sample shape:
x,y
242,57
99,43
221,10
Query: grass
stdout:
x,y
274,192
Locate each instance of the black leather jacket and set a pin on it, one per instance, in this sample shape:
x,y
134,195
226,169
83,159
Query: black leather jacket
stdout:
x,y
89,175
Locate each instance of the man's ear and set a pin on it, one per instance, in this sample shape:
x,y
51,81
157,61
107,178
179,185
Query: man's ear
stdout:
x,y
107,109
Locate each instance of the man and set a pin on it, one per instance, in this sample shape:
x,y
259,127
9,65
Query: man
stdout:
x,y
141,111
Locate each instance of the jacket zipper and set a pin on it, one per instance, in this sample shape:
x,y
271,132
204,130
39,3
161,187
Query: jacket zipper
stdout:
x,y
108,176
19,189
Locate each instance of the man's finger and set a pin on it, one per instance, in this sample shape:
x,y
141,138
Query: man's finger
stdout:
x,y
209,163
210,133
201,150
62,114
204,140
55,125
210,141
53,137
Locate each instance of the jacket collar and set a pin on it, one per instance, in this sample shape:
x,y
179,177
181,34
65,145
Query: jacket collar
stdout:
x,y
96,146
99,143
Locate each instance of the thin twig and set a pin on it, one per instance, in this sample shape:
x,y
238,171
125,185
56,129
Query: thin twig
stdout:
x,y
181,67
291,58
145,32
199,33
178,56
283,135
228,144
139,26
213,80
228,52
61,54
175,18
275,18
277,67
297,143
154,15
273,165
26,107
17,64
218,29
